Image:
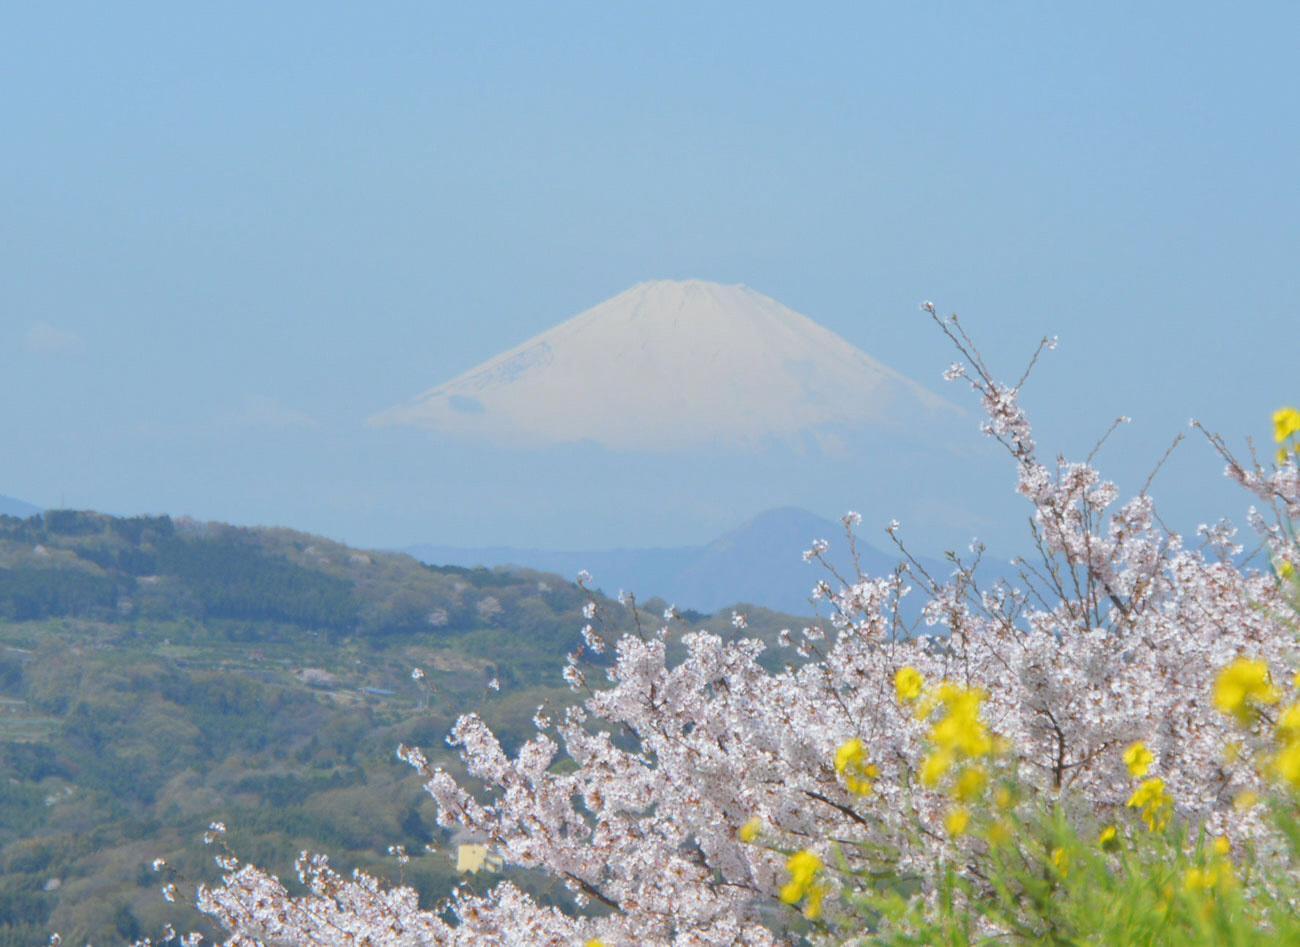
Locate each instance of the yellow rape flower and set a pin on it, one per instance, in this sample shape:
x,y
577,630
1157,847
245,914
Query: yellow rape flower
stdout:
x,y
960,729
596,942
934,766
908,683
958,734
1286,763
1108,839
1218,875
957,820
1150,797
862,785
970,781
850,759
803,866
1287,728
1149,791
1286,421
1221,845
1138,759
1061,861
1241,684
750,829
1245,799
812,907
1004,798
849,754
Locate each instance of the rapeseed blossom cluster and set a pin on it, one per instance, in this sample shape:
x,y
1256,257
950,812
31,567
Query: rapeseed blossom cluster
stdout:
x,y
1286,424
1243,690
851,761
1286,758
1152,802
804,867
1243,687
958,735
908,683
1138,759
958,740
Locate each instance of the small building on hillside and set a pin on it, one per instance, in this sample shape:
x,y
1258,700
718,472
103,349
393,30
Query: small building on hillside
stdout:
x,y
475,858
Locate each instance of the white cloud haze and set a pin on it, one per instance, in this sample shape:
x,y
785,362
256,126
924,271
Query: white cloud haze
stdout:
x,y
265,413
49,340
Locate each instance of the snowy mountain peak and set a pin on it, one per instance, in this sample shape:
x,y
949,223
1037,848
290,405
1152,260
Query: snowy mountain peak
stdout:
x,y
673,364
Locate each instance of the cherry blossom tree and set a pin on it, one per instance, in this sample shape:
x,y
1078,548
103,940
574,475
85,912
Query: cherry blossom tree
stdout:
x,y
713,802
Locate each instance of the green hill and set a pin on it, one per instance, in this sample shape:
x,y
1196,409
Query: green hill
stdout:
x,y
159,675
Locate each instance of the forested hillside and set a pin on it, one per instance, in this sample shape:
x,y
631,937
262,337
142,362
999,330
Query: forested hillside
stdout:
x,y
158,675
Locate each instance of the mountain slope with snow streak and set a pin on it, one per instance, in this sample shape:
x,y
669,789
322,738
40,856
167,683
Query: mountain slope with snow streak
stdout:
x,y
674,364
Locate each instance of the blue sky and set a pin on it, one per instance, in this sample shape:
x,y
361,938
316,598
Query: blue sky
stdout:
x,y
230,233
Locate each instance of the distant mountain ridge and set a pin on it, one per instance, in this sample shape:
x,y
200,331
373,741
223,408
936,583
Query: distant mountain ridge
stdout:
x,y
12,507
759,562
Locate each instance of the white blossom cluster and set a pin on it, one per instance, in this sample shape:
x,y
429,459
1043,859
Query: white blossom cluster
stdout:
x,y
1113,636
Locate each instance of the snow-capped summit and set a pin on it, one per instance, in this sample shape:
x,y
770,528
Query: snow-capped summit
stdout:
x,y
673,364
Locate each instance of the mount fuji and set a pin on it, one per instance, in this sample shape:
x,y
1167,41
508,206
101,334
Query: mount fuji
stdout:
x,y
671,365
